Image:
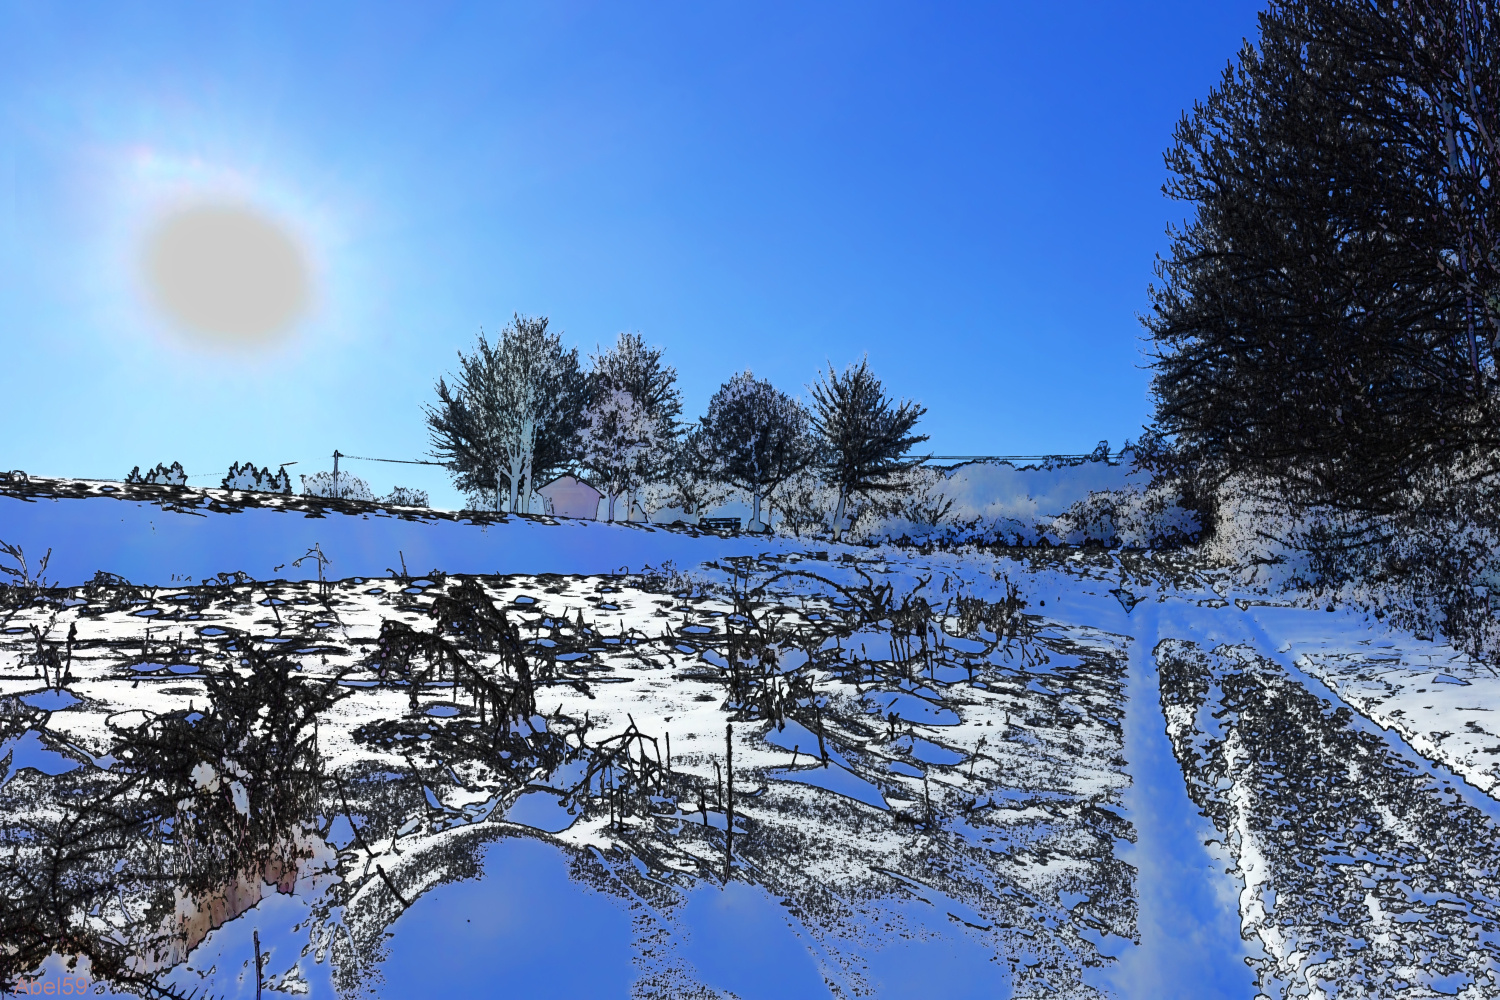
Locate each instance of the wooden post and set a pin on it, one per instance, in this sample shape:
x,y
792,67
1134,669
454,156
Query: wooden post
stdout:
x,y
822,750
728,798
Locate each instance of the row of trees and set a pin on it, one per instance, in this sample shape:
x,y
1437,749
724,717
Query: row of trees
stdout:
x,y
1329,318
523,410
241,476
246,476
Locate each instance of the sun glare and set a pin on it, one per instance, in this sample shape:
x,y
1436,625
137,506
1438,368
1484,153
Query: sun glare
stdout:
x,y
226,273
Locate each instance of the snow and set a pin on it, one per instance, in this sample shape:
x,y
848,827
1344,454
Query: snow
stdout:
x,y
1045,815
29,750
995,491
162,544
540,809
835,778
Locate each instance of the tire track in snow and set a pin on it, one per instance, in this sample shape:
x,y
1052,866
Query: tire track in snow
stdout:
x,y
1190,946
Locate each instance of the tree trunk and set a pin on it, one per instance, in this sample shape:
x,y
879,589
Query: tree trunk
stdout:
x,y
838,514
756,518
518,451
528,454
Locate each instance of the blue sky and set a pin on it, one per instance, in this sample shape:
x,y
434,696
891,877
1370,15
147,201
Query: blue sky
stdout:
x,y
969,193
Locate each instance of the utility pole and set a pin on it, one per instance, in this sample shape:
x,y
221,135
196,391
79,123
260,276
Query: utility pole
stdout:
x,y
336,457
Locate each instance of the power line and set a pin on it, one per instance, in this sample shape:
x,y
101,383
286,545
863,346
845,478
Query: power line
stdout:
x,y
398,461
1004,458
962,458
411,461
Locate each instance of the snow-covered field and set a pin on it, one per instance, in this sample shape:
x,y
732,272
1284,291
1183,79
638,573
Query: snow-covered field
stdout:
x,y
582,759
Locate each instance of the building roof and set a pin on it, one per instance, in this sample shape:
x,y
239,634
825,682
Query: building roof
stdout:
x,y
567,481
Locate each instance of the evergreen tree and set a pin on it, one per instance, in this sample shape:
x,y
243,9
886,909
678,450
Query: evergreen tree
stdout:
x,y
864,438
756,437
513,415
1314,321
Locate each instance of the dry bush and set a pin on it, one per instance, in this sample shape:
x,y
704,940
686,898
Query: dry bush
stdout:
x,y
805,504
1139,519
1419,567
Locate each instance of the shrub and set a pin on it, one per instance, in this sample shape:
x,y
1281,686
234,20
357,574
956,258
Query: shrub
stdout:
x,y
320,484
403,496
481,500
1418,568
159,476
806,504
918,500
245,476
1155,517
690,484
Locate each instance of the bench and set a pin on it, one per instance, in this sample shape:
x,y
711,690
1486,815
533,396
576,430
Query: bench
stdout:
x,y
720,523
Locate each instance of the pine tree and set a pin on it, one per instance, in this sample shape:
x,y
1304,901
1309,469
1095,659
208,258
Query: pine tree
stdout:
x,y
513,415
756,437
864,439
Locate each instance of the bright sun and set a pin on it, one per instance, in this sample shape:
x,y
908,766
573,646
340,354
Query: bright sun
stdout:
x,y
226,273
